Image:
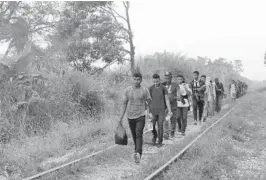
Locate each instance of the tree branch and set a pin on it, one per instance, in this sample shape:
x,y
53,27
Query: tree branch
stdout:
x,y
125,50
41,28
119,15
1,5
123,38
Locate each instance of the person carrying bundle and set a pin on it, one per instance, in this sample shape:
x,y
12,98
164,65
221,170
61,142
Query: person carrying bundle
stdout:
x,y
134,102
182,103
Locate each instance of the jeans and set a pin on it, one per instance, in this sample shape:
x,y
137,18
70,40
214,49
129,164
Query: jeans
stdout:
x,y
208,109
219,99
159,118
197,105
182,118
136,126
173,122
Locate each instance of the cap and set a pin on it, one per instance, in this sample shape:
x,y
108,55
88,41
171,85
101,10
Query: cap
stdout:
x,y
168,74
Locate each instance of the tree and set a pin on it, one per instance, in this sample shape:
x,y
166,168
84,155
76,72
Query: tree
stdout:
x,y
88,34
126,32
21,21
238,66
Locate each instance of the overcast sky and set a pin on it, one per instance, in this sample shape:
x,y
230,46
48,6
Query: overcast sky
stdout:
x,y
233,29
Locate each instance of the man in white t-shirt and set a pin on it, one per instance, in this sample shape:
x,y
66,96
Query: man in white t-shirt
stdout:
x,y
182,103
232,91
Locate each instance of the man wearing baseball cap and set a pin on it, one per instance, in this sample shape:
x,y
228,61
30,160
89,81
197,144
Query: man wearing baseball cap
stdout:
x,y
172,95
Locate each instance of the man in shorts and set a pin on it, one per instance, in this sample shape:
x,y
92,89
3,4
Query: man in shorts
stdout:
x,y
134,102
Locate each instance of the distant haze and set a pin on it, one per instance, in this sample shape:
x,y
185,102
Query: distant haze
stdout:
x,y
229,29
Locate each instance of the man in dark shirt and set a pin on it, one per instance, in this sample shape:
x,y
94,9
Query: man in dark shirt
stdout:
x,y
219,94
198,87
172,95
159,103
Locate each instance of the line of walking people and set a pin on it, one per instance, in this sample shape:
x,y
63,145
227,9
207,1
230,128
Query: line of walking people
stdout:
x,y
237,89
167,105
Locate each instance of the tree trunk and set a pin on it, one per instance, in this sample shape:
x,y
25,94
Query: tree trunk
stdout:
x,y
131,45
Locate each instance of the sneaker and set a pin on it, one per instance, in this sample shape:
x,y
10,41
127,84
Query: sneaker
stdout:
x,y
154,140
172,134
195,122
160,145
154,132
166,136
137,157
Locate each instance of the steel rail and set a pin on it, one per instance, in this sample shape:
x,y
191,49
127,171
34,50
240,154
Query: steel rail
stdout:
x,y
76,160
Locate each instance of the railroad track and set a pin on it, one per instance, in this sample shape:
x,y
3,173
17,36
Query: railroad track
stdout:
x,y
164,167
153,175
42,174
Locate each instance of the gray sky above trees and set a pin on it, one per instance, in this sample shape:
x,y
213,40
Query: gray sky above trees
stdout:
x,y
229,29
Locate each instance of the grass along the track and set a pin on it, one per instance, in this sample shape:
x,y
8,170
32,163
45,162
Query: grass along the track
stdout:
x,y
236,149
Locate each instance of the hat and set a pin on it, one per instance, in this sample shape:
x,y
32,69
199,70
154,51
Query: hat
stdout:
x,y
168,74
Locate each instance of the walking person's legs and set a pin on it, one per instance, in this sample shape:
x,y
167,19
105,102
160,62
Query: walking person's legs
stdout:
x,y
219,102
136,127
173,121
178,118
132,126
160,123
200,106
211,105
140,123
154,132
205,111
195,109
184,120
166,127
